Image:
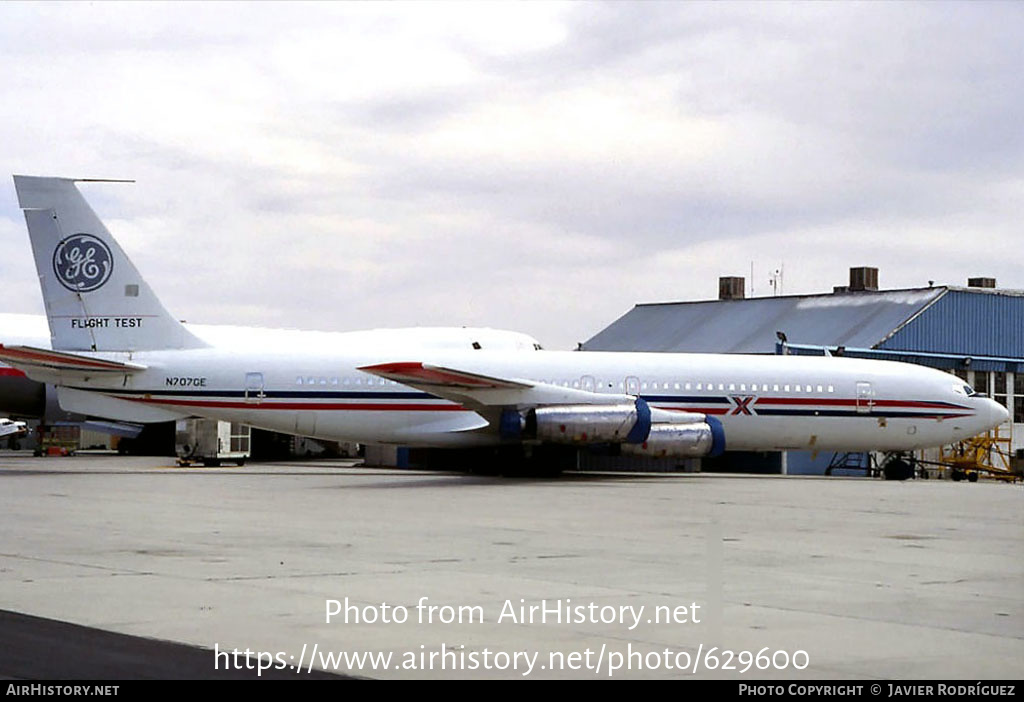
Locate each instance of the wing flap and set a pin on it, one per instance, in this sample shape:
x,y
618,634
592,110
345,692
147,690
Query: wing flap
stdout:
x,y
30,358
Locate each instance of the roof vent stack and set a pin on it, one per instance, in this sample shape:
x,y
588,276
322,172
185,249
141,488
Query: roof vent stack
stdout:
x,y
863,279
732,288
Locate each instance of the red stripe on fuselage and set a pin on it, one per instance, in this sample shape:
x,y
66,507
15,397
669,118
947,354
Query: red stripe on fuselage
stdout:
x,y
11,373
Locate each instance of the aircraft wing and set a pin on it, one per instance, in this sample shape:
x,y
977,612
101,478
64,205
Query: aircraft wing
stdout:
x,y
423,375
30,358
483,392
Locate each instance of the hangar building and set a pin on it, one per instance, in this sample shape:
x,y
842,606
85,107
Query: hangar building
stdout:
x,y
976,332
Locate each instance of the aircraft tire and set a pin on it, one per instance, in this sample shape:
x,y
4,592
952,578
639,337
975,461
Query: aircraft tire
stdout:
x,y
898,469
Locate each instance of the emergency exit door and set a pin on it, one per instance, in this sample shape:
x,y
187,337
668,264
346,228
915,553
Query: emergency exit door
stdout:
x,y
632,385
865,397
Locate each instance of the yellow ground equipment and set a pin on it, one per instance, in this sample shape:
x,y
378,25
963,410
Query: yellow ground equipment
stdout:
x,y
986,454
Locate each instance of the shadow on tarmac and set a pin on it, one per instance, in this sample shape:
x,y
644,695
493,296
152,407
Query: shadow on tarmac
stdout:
x,y
33,648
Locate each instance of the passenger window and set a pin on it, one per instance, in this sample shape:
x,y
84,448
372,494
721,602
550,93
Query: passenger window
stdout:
x,y
831,388
298,381
819,388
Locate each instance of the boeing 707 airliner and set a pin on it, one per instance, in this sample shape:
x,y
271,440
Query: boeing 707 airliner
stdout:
x,y
118,354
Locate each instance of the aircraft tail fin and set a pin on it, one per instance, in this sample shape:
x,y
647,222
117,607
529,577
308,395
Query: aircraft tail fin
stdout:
x,y
95,298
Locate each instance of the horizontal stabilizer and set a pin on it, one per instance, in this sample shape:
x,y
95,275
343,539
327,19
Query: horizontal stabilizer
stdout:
x,y
29,357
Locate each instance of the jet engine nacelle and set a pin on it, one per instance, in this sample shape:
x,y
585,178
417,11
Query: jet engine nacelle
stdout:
x,y
703,438
590,424
636,428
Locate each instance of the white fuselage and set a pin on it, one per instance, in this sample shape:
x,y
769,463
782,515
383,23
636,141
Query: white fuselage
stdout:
x,y
763,402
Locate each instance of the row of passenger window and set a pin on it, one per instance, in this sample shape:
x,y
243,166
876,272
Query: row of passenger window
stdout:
x,y
743,387
645,385
336,381
700,386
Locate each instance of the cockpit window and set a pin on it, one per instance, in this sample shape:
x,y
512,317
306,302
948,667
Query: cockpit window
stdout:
x,y
961,389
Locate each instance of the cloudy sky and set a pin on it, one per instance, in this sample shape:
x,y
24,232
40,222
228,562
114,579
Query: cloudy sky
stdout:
x,y
533,166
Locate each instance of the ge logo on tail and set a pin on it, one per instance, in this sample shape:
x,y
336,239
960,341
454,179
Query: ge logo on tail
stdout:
x,y
82,263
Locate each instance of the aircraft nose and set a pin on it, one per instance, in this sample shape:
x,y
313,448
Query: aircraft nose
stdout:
x,y
997,414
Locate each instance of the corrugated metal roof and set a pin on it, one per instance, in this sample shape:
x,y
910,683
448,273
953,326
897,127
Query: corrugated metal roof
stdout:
x,y
969,322
860,319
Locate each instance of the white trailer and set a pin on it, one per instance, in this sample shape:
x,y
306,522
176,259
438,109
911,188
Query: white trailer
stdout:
x,y
210,442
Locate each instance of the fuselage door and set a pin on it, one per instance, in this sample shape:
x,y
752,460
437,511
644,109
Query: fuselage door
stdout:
x,y
254,388
588,383
865,397
632,385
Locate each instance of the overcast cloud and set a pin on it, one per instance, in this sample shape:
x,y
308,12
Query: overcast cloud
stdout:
x,y
539,167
